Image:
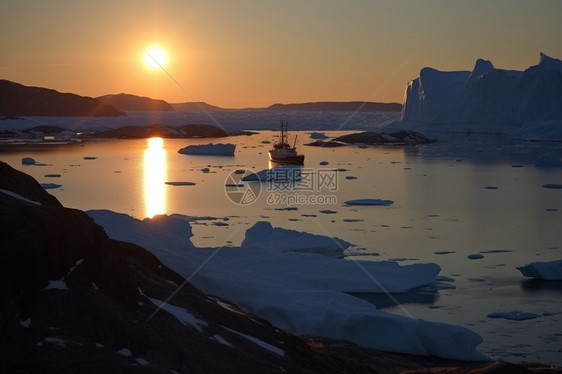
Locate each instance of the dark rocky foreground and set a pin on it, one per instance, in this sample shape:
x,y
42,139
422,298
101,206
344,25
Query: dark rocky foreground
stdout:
x,y
75,301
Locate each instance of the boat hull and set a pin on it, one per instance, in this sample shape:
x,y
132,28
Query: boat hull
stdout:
x,y
286,159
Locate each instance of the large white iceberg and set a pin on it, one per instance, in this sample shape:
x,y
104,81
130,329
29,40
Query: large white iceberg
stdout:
x,y
551,270
526,104
209,149
303,292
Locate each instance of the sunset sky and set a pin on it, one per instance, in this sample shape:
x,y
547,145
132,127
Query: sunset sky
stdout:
x,y
250,53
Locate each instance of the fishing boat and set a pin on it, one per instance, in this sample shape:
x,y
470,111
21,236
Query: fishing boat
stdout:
x,y
283,152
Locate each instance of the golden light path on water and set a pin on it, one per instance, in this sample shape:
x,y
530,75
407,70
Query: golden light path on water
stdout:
x,y
155,168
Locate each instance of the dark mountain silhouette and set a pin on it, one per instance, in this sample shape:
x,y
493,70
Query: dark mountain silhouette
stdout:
x,y
196,107
20,100
131,102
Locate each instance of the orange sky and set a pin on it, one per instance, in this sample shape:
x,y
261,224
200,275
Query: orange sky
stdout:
x,y
256,53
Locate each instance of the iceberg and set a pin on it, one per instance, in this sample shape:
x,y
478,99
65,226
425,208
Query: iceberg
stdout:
x,y
209,149
526,104
514,315
543,270
303,292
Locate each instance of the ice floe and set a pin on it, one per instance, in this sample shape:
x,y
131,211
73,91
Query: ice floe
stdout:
x,y
552,185
551,270
369,202
514,315
28,161
220,149
50,186
303,292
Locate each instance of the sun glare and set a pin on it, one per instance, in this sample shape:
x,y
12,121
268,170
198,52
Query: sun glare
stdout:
x,y
155,57
155,167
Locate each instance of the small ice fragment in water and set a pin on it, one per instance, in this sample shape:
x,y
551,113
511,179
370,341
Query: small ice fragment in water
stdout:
x,y
48,186
514,315
369,202
180,183
475,256
28,161
552,185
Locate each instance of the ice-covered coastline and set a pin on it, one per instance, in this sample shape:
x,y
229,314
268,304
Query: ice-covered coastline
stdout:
x,y
299,291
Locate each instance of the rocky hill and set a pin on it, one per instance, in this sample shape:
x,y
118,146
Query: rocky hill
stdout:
x,y
127,102
196,106
20,100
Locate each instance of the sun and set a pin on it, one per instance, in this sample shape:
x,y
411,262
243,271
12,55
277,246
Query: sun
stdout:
x,y
155,57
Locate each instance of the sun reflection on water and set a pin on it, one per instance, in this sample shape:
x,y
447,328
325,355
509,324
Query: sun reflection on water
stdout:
x,y
155,167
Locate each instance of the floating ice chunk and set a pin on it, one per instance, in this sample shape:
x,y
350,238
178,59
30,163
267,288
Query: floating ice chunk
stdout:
x,y
514,315
475,256
369,202
52,175
350,177
49,186
328,211
323,163
552,185
90,158
181,183
551,270
549,160
318,135
28,161
209,149
263,235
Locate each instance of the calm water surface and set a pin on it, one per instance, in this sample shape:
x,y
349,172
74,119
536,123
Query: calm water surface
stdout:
x,y
479,194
